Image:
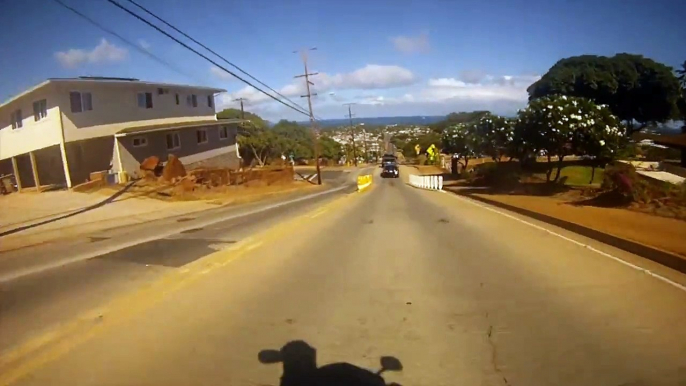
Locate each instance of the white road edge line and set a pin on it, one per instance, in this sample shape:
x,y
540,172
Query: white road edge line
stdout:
x,y
88,255
617,259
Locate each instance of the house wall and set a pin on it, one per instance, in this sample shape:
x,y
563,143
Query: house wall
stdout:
x,y
90,155
216,152
32,135
115,107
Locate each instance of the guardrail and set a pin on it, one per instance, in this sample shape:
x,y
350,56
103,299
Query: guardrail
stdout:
x,y
426,182
364,182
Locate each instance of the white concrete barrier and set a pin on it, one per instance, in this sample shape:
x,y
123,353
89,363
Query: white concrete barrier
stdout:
x,y
427,182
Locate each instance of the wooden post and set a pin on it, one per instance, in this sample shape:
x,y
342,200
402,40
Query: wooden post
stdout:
x,y
34,169
15,169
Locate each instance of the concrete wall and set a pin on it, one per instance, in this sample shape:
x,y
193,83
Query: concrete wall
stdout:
x,y
32,135
216,152
115,107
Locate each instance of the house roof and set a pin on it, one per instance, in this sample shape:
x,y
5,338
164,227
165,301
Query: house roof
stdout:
x,y
678,140
176,126
108,80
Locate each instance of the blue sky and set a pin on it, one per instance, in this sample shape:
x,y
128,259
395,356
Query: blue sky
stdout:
x,y
392,57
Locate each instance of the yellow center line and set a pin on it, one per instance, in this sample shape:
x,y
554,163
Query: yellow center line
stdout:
x,y
52,344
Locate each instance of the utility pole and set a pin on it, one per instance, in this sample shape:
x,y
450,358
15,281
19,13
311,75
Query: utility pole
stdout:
x,y
306,75
241,100
352,130
364,137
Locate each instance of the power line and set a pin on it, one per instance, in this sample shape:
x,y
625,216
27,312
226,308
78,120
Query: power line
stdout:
x,y
130,43
213,52
203,56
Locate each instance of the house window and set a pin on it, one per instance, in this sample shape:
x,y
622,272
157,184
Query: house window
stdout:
x,y
145,100
80,101
16,119
140,141
189,101
210,101
40,110
87,101
177,99
162,91
194,100
173,140
201,134
223,132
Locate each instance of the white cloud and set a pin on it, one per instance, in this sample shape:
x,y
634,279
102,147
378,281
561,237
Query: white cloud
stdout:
x,y
105,52
219,73
144,44
446,82
370,77
392,91
493,88
411,44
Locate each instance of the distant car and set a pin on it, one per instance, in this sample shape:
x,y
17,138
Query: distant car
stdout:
x,y
390,171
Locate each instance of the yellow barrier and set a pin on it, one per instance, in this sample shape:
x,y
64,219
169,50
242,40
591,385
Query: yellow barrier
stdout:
x,y
364,182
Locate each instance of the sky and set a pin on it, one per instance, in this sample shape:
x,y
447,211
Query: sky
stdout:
x,y
390,57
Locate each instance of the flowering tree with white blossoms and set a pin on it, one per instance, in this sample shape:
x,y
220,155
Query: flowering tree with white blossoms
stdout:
x,y
462,141
496,134
561,126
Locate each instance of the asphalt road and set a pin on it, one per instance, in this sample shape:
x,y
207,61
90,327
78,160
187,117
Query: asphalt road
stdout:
x,y
460,294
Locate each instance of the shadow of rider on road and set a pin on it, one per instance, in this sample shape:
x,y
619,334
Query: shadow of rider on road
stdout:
x,y
299,361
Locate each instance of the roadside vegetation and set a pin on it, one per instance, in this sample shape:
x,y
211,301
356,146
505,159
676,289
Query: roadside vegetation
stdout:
x,y
262,145
583,116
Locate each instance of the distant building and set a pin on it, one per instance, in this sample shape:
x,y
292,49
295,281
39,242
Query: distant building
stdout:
x,y
64,129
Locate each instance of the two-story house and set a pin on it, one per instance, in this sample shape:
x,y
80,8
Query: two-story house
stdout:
x,y
63,129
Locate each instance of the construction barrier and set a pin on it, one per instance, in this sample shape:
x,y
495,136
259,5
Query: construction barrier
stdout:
x,y
364,182
427,182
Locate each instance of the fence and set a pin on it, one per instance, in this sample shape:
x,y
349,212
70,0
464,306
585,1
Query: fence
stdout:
x,y
427,182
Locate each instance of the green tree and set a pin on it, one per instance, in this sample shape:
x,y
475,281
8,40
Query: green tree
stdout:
x,y
296,139
458,118
330,149
681,104
236,114
635,88
256,143
682,75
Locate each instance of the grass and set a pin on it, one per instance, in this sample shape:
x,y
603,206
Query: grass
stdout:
x,y
577,175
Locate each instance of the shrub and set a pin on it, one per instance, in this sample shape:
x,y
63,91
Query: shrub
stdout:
x,y
620,177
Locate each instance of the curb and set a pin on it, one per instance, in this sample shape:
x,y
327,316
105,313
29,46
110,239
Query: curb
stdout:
x,y
667,259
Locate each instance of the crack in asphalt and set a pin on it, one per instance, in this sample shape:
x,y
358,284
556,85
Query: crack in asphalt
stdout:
x,y
494,355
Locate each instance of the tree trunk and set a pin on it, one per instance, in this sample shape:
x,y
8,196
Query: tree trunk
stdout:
x,y
257,157
559,167
549,172
593,166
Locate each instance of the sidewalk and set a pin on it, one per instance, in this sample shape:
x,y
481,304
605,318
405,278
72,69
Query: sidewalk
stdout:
x,y
660,233
34,218
29,219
